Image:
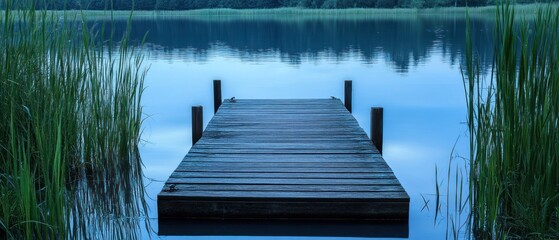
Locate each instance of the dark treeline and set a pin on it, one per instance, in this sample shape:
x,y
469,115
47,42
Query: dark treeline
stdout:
x,y
250,4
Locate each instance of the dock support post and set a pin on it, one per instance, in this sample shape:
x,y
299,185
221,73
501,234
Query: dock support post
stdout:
x,y
376,127
347,95
217,95
197,123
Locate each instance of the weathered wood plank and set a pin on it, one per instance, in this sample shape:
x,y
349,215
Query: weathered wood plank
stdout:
x,y
280,151
378,181
280,119
233,165
326,157
278,159
304,102
287,125
288,194
278,124
272,209
222,141
332,128
279,188
278,135
278,169
369,175
287,146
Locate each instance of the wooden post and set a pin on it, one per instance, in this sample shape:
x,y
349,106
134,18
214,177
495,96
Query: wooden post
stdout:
x,y
376,127
197,123
217,95
347,95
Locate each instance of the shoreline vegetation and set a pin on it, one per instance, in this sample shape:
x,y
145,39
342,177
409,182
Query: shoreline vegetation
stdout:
x,y
513,119
70,126
162,5
521,9
484,12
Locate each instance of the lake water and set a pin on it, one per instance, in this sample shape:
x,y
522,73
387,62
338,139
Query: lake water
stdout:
x,y
408,65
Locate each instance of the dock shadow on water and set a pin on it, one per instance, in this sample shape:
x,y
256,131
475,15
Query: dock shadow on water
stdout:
x,y
199,227
70,125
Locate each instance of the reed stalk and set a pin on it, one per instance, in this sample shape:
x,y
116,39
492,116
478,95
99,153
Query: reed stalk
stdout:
x,y
513,119
69,129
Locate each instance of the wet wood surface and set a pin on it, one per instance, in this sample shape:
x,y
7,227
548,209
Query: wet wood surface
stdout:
x,y
283,159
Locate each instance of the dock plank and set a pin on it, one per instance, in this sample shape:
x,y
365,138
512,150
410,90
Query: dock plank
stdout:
x,y
283,158
282,187
283,175
276,169
233,165
379,181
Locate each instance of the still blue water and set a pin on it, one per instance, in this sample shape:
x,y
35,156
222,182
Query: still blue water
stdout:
x,y
410,66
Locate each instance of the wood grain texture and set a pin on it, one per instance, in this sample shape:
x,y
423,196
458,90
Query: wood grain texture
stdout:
x,y
285,158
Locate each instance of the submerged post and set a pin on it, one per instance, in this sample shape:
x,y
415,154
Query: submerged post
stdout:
x,y
376,127
197,123
347,95
217,95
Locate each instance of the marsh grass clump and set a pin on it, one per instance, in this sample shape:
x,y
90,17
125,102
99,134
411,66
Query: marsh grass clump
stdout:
x,y
513,118
70,119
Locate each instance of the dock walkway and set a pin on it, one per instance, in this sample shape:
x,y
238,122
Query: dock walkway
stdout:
x,y
283,159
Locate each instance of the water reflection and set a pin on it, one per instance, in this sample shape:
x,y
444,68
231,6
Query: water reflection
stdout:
x,y
108,203
401,41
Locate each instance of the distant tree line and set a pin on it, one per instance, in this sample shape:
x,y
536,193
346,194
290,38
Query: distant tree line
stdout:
x,y
250,4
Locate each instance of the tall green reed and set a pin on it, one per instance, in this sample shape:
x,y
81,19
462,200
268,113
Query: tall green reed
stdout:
x,y
513,118
70,119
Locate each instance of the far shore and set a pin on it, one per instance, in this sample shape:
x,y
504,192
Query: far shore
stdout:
x,y
298,13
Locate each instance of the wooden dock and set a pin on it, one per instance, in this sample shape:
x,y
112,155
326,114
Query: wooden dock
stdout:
x,y
283,159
